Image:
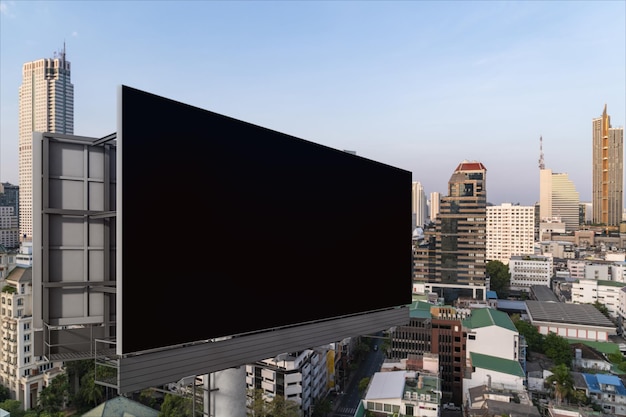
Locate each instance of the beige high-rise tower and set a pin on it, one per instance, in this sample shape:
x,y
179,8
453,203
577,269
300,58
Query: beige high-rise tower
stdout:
x,y
46,104
608,172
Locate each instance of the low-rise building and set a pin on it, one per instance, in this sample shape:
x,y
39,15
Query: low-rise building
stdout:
x,y
406,393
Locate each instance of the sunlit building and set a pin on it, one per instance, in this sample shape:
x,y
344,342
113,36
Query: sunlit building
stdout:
x,y
46,104
608,172
510,231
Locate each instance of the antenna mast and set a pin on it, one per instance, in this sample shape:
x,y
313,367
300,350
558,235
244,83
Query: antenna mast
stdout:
x,y
541,164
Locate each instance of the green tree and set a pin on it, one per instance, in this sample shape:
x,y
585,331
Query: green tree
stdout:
x,y
13,407
534,339
5,393
322,408
558,349
176,406
257,406
561,381
602,309
363,383
280,407
53,397
499,278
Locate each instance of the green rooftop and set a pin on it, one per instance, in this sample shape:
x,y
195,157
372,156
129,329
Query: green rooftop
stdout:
x,y
483,317
493,363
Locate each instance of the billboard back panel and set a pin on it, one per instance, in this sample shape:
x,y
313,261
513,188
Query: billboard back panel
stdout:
x,y
228,228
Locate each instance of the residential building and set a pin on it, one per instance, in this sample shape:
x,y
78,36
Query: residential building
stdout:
x,y
608,172
510,231
10,196
607,293
419,205
301,377
607,391
492,364
435,329
7,262
46,104
558,198
529,270
451,259
405,393
9,231
23,373
484,400
558,249
485,324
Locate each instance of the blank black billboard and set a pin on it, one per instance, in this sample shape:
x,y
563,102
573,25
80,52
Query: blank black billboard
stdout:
x,y
229,228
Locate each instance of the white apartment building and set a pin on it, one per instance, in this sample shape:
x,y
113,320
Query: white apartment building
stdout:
x,y
419,205
529,270
9,230
46,104
492,364
24,374
588,291
405,393
487,324
435,202
300,377
24,257
510,231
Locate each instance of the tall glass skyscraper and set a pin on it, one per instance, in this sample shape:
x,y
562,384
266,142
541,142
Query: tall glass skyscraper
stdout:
x,y
46,104
608,172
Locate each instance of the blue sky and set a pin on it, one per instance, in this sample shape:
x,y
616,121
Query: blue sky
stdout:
x,y
420,85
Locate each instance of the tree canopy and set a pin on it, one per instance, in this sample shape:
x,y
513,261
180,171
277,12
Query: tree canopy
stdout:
x,y
499,278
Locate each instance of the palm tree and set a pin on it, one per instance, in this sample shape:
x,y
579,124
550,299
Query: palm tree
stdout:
x,y
562,382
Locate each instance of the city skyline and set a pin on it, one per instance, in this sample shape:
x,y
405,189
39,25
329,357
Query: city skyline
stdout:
x,y
416,85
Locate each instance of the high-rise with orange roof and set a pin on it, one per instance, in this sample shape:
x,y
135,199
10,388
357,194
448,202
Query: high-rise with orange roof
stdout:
x,y
451,259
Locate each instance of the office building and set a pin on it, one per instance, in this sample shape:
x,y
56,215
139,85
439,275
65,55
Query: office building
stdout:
x,y
46,104
558,199
451,258
608,172
419,207
510,231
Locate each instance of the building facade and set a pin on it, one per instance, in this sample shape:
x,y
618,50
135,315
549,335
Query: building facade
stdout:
x,y
419,205
9,232
608,172
46,104
300,377
529,270
559,199
435,201
23,373
510,231
451,259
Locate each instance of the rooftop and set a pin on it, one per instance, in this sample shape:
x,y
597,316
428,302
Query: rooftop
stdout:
x,y
583,314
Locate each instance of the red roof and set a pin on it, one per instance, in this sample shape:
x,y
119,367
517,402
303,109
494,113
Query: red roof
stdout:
x,y
471,166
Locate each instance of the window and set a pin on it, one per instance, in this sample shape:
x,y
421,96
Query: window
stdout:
x,y
471,337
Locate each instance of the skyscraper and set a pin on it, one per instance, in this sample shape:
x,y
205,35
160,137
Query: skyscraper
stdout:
x,y
46,104
608,172
558,200
451,259
419,206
